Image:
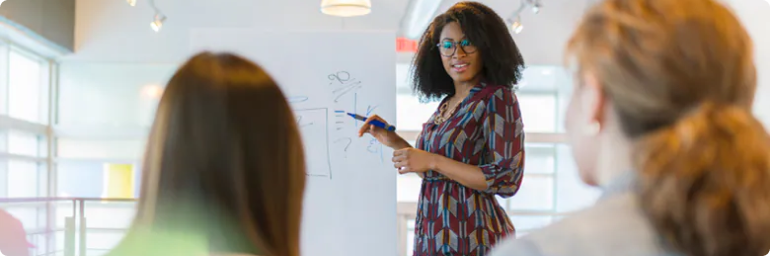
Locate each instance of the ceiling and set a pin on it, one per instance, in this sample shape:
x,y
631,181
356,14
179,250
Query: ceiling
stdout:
x,y
103,26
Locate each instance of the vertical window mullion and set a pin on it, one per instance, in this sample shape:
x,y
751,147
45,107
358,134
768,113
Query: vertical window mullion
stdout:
x,y
5,78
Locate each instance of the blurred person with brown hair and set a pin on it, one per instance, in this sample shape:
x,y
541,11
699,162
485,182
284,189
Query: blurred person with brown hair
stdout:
x,y
224,170
660,119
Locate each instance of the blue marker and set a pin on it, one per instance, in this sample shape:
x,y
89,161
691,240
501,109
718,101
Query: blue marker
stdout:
x,y
377,123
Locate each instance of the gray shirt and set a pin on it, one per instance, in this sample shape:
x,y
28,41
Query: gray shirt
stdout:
x,y
614,226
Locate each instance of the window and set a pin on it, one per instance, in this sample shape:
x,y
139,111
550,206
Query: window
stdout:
x,y
27,87
26,143
24,90
538,111
94,179
98,149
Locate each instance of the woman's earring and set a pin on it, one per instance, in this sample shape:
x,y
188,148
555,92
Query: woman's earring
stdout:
x,y
593,128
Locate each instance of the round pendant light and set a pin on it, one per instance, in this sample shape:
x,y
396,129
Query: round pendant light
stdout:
x,y
346,8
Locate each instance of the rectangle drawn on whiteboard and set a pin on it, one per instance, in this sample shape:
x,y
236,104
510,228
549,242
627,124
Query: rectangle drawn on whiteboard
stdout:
x,y
313,125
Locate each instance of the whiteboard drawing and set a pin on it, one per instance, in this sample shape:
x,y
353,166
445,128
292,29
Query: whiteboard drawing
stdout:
x,y
313,125
349,178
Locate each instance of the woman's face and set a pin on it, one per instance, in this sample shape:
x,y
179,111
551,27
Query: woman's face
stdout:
x,y
579,122
459,55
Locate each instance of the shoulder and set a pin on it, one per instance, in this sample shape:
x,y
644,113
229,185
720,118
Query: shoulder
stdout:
x,y
614,226
489,90
496,95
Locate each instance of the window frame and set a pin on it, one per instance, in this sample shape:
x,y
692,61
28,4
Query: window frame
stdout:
x,y
41,129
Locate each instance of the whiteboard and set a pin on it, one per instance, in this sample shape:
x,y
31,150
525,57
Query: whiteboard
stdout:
x,y
350,196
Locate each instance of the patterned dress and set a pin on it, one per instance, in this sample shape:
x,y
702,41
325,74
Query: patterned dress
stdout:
x,y
486,130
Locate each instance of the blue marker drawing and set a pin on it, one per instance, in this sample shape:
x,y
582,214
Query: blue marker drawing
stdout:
x,y
339,111
370,109
371,148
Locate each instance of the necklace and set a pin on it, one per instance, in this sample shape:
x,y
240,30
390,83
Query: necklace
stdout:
x,y
443,115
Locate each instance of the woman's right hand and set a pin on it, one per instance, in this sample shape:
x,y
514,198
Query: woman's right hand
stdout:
x,y
385,137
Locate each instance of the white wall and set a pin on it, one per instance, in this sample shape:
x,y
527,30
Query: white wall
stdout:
x,y
755,15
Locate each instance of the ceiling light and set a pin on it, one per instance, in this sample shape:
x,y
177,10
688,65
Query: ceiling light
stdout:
x,y
346,8
152,91
131,2
158,19
516,25
157,24
1,2
515,21
536,6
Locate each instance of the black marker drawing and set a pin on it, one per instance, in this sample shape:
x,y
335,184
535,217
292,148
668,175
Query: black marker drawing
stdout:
x,y
348,90
298,99
315,138
341,76
356,84
346,139
345,82
347,142
299,122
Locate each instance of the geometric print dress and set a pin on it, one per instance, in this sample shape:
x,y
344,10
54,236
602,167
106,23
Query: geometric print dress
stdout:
x,y
486,130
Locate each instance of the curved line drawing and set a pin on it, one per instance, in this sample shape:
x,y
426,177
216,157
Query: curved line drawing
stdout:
x,y
337,76
299,122
349,140
372,148
349,89
298,99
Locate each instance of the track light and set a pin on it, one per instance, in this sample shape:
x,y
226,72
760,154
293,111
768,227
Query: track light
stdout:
x,y
132,3
515,20
157,24
536,5
158,19
516,25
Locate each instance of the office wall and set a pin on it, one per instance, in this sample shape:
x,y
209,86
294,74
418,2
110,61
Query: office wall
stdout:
x,y
52,19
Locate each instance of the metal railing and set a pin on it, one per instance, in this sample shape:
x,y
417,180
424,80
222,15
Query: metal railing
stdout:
x,y
59,226
78,226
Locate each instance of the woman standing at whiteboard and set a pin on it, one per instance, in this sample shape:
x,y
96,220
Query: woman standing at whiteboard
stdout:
x,y
472,147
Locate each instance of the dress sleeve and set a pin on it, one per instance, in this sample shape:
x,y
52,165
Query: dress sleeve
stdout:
x,y
503,131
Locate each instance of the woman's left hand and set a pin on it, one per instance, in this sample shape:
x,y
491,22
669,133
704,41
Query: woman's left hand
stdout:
x,y
413,160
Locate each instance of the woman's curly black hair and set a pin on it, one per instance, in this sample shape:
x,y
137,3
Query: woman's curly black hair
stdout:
x,y
502,61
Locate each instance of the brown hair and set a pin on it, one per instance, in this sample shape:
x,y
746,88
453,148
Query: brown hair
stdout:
x,y
224,160
681,78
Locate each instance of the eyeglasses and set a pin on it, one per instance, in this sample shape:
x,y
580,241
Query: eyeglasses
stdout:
x,y
448,47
